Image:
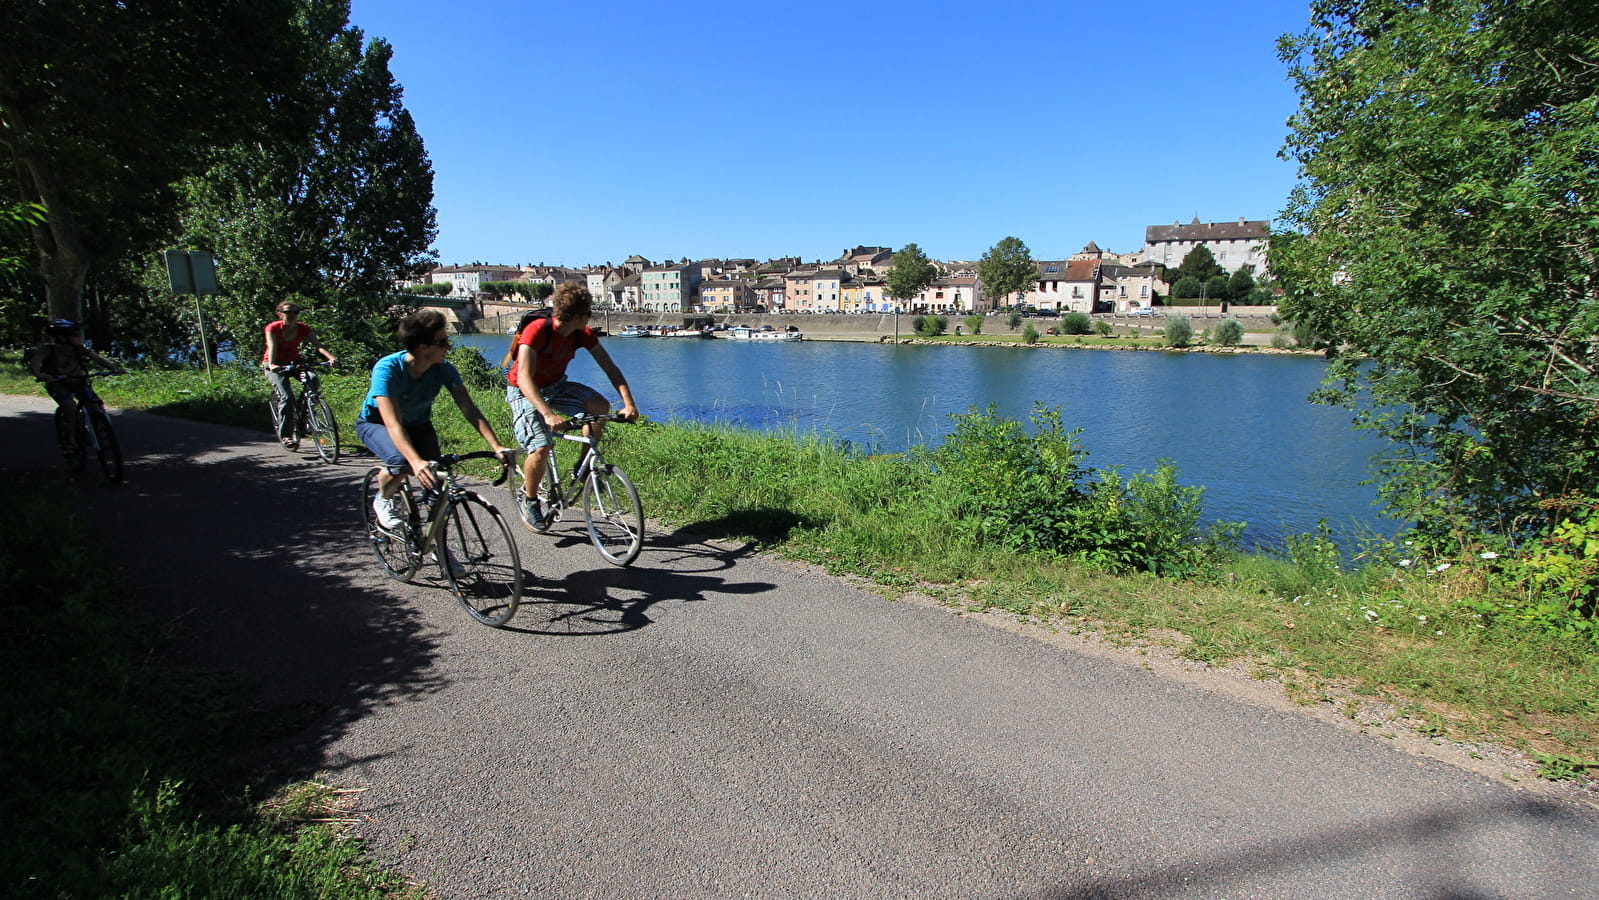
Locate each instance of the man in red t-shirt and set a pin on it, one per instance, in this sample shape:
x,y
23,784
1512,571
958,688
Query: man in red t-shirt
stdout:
x,y
283,340
541,396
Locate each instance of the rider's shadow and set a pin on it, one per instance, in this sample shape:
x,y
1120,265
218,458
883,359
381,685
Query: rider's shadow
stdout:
x,y
613,601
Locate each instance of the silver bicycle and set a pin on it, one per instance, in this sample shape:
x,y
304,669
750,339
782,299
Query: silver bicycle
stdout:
x,y
454,527
612,512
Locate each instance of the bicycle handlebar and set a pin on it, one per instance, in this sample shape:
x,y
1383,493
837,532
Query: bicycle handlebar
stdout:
x,y
450,460
84,375
579,421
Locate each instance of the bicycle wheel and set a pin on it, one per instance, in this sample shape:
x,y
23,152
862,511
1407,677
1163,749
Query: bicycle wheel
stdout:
x,y
614,516
324,429
480,559
72,434
395,552
106,447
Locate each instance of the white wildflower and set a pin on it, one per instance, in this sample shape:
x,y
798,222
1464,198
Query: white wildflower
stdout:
x,y
1489,554
1405,563
1442,566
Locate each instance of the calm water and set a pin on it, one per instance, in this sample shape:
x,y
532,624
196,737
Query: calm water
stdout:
x,y
1239,426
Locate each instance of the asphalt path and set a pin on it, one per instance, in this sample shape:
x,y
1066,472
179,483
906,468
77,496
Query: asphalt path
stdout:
x,y
712,723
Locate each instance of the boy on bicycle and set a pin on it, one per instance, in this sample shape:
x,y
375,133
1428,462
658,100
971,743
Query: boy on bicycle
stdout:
x,y
61,362
540,395
396,421
283,339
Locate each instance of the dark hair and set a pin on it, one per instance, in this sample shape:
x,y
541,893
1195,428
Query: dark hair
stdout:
x,y
572,300
417,328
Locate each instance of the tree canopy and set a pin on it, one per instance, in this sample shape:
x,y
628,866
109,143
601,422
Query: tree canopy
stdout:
x,y
103,106
1447,246
337,210
911,274
1007,268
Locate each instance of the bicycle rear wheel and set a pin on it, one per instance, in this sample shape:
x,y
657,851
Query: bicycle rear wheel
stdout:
x,y
395,552
480,559
107,447
614,515
324,428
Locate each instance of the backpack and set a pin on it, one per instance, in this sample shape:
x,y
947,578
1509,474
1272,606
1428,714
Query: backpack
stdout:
x,y
529,317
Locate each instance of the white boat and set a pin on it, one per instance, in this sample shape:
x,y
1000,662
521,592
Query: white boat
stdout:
x,y
634,331
686,333
765,333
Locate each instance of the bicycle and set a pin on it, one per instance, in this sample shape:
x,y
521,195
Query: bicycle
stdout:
x,y
461,531
91,430
313,417
612,512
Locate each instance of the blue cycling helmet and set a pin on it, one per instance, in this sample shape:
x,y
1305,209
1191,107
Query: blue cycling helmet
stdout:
x,y
62,326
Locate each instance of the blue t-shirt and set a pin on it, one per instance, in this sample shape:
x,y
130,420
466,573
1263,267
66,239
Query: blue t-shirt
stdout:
x,y
413,396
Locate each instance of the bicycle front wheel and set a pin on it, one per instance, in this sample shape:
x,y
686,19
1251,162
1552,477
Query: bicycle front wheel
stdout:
x,y
479,557
395,552
324,429
614,516
106,446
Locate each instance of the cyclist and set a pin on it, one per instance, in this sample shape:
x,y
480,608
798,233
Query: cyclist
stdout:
x,y
396,421
61,362
541,396
283,339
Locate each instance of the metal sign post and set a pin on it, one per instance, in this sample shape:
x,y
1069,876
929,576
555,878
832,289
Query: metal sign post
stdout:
x,y
194,272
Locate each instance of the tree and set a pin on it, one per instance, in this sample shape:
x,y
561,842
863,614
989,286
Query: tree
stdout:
x,y
1200,264
1229,332
103,106
974,324
1444,231
911,274
1241,283
1179,331
1007,268
338,211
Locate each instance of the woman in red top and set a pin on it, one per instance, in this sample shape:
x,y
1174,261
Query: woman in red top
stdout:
x,y
540,395
283,339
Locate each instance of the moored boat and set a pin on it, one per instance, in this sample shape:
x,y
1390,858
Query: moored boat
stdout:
x,y
765,333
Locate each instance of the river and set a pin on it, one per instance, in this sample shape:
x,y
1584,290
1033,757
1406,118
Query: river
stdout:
x,y
1238,425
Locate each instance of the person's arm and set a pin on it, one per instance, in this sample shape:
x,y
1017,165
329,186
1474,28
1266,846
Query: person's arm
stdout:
x,y
391,421
463,399
273,335
104,363
332,360
608,366
526,356
36,361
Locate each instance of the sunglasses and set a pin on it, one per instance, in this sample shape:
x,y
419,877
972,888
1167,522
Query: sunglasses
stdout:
x,y
441,342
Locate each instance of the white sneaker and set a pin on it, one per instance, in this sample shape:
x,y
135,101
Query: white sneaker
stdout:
x,y
390,512
456,569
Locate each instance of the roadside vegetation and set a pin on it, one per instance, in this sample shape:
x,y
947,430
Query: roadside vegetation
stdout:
x,y
1471,645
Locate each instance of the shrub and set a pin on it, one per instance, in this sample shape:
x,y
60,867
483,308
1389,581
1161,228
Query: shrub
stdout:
x,y
974,324
474,369
1013,321
930,326
1103,328
1030,334
1179,331
1228,333
1076,323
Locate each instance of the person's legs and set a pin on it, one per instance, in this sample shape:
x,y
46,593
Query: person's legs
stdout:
x,y
282,404
66,412
570,398
532,435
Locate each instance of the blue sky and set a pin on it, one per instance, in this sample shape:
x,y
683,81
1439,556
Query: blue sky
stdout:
x,y
578,134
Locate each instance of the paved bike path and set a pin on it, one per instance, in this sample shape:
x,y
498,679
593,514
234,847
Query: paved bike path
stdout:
x,y
710,724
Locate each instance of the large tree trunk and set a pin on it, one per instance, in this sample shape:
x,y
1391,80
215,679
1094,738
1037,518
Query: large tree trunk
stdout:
x,y
63,259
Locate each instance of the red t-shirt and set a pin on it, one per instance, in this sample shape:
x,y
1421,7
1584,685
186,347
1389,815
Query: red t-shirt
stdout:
x,y
288,344
554,351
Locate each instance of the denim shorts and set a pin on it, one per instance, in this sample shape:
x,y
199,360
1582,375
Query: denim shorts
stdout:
x,y
376,438
569,398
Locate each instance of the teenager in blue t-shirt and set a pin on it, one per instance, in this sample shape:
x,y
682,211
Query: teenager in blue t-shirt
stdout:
x,y
396,420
